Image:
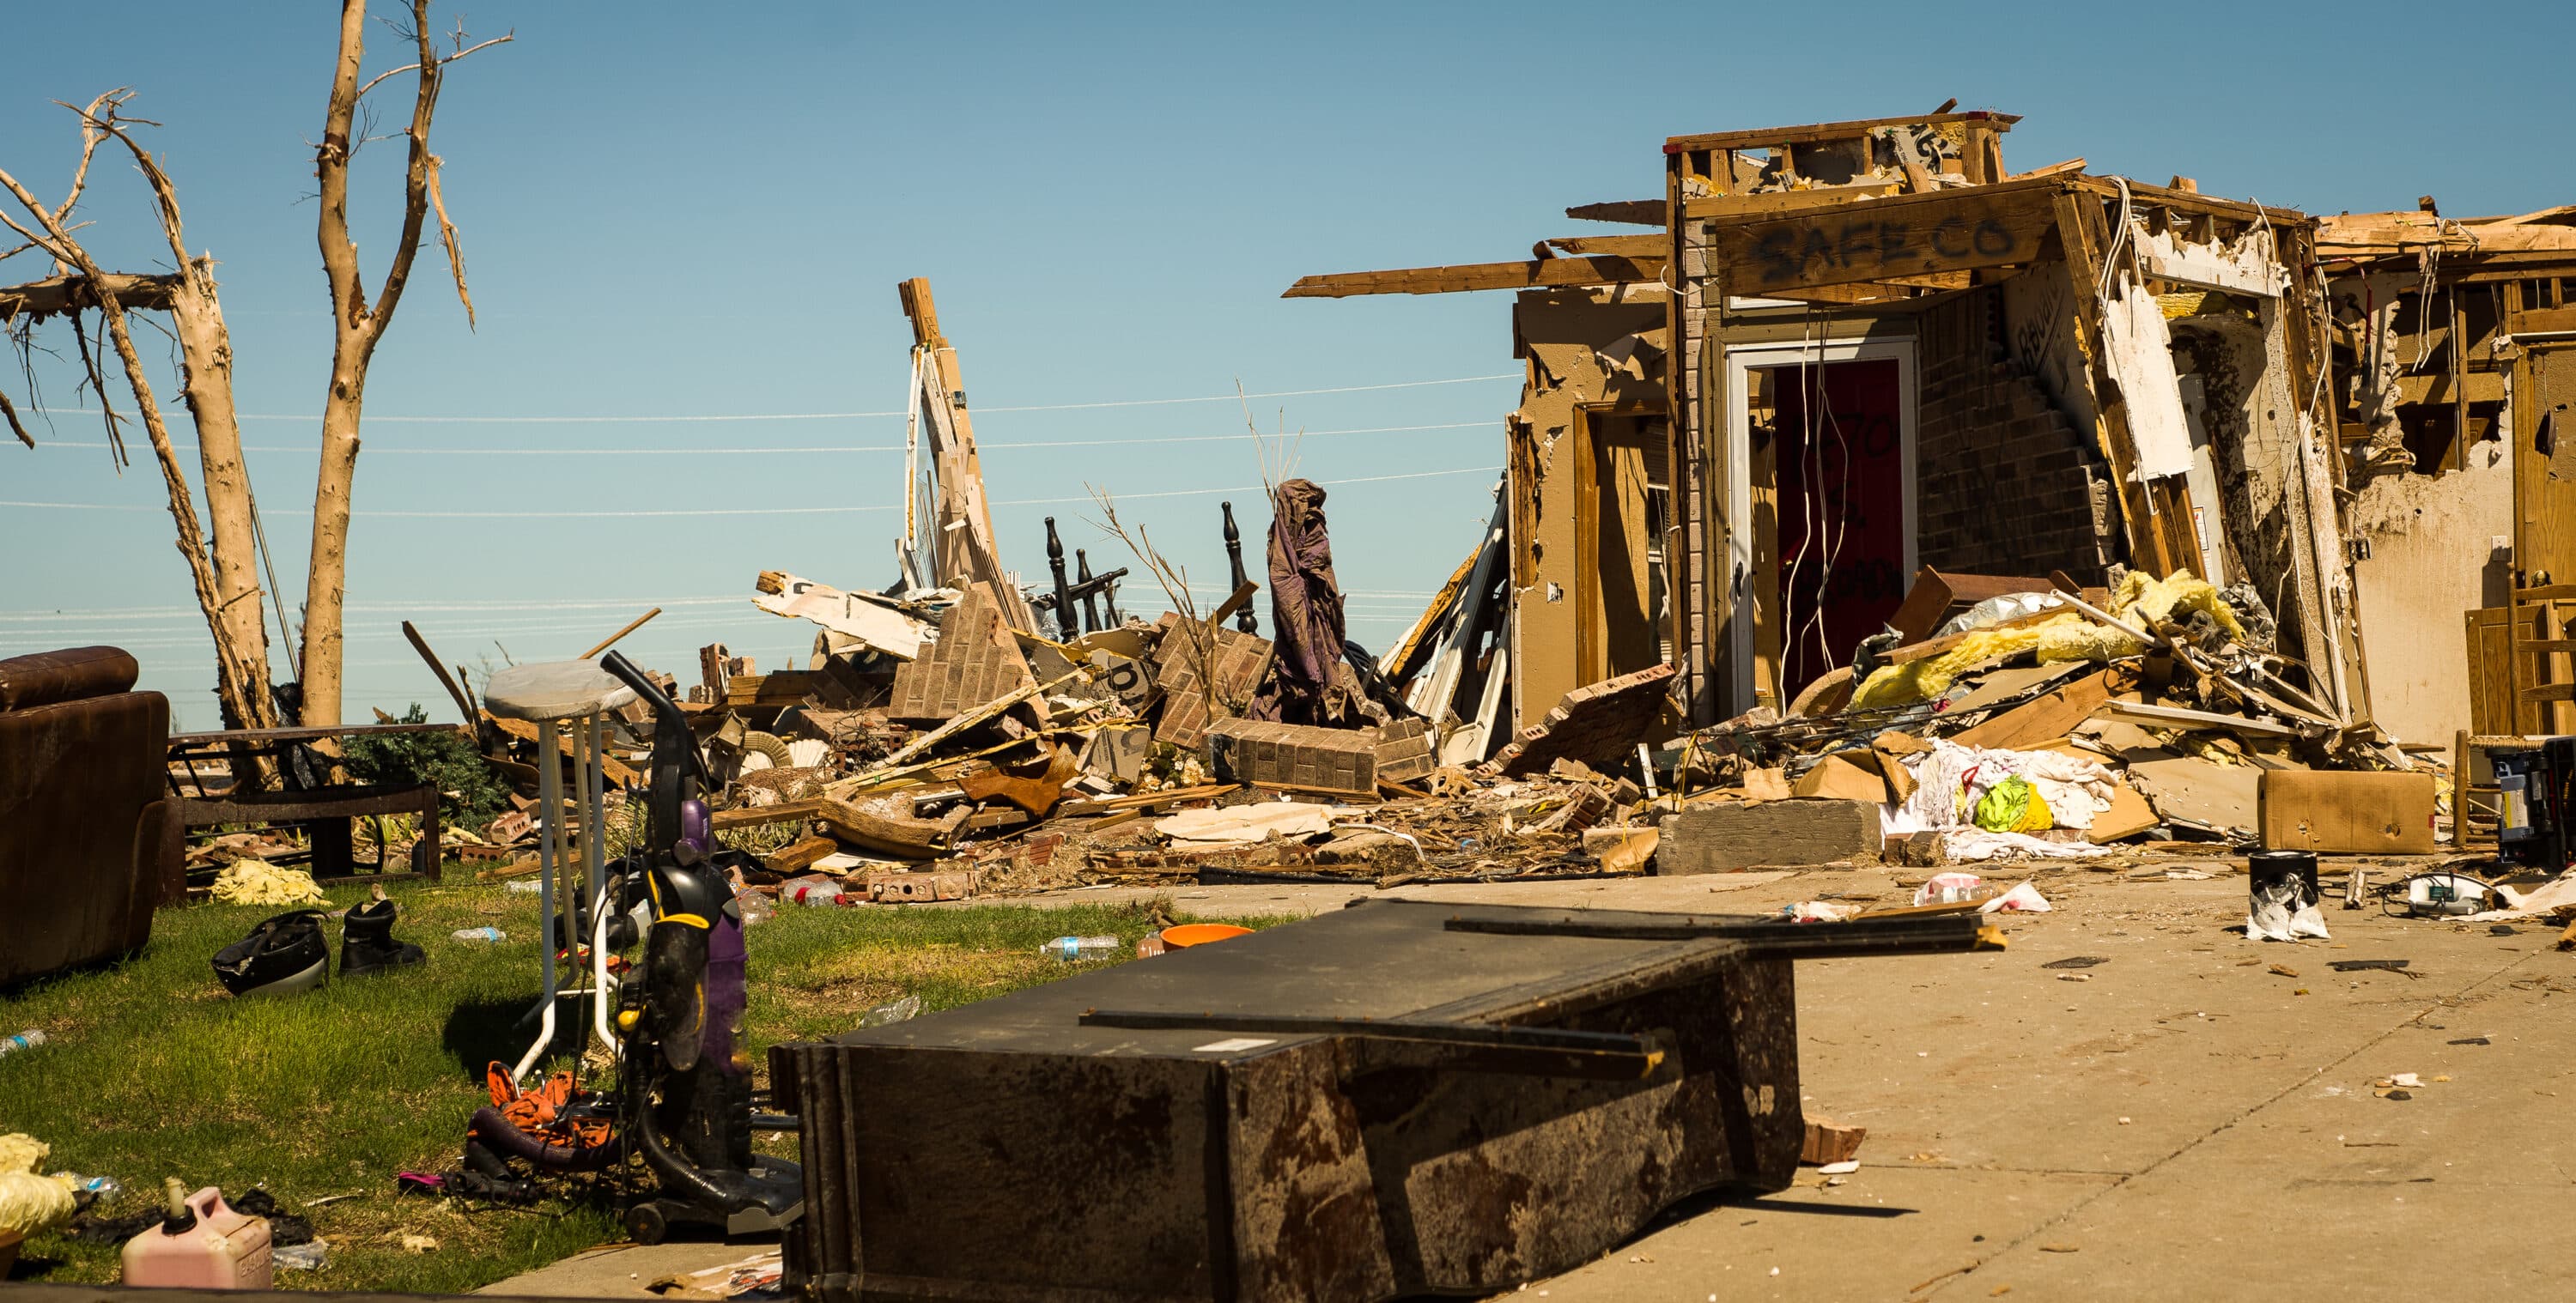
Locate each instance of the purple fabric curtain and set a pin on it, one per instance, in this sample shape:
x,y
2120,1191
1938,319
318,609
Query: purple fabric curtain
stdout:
x,y
1305,614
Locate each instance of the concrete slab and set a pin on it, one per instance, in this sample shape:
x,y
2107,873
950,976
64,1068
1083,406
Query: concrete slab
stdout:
x,y
626,1270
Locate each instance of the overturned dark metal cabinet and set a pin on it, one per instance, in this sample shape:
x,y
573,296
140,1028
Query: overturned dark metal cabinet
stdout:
x,y
1393,1099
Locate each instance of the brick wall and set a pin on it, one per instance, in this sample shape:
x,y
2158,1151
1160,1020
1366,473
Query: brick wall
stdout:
x,y
2005,483
1294,755
1241,661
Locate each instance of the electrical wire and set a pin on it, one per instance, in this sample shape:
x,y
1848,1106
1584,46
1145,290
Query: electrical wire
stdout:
x,y
822,416
752,511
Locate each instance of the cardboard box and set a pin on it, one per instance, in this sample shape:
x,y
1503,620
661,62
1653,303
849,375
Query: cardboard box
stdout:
x,y
2347,814
1841,777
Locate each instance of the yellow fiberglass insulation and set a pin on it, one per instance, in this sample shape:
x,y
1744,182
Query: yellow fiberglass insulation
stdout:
x,y
258,882
29,1202
2068,637
2149,602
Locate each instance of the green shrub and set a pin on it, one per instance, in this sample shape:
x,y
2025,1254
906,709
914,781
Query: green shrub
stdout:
x,y
471,795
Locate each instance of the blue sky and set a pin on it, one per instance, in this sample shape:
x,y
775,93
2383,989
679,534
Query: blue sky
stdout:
x,y
692,211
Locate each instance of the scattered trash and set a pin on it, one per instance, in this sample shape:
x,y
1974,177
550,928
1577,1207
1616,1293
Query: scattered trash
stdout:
x,y
1952,889
2022,899
486,933
2367,965
2472,1040
258,882
2284,970
1818,911
418,1244
2282,897
312,1255
903,1010
1843,1168
26,1040
2078,961
1074,949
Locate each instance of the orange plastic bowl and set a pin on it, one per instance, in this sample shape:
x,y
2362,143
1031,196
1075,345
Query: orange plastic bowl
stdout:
x,y
1198,934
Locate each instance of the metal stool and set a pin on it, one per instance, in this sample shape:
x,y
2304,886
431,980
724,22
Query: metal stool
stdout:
x,y
561,697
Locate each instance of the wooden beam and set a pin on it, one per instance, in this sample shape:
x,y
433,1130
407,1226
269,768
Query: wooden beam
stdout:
x,y
2077,216
1615,246
1632,212
1467,277
1783,201
2192,201
1822,131
1912,235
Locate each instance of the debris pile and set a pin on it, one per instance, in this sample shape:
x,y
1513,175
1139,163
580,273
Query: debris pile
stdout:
x,y
2063,723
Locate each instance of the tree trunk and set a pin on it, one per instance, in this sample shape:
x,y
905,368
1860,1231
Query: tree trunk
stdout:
x,y
356,328
238,618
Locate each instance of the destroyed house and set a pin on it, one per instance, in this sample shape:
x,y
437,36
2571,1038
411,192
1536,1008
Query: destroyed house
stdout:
x,y
2455,362
1858,374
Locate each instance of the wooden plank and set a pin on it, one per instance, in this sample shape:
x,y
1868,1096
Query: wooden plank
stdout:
x,y
1813,133
2076,220
2050,715
2179,717
1616,246
2489,648
1468,277
1633,212
1777,202
2541,321
2192,201
2075,164
781,688
1914,235
753,816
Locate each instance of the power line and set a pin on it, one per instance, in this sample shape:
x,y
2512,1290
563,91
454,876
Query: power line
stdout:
x,y
824,416
801,452
756,511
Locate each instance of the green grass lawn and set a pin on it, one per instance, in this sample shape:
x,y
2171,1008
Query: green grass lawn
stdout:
x,y
152,1070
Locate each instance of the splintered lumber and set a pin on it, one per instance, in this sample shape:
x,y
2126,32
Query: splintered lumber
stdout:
x,y
799,855
2179,717
611,640
1828,1143
2052,714
754,816
875,826
1532,274
946,731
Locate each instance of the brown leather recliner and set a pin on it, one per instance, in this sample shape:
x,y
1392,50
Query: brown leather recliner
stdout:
x,y
90,841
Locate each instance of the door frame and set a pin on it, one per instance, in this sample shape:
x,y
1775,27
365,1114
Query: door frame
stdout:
x,y
1587,542
1741,546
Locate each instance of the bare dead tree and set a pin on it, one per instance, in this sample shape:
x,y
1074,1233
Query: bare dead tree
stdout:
x,y
358,325
224,550
1198,634
220,559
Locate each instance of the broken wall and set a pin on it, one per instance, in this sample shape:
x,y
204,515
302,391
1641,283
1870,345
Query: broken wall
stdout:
x,y
2432,546
1600,349
2006,484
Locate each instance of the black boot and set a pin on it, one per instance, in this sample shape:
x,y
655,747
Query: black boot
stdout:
x,y
367,942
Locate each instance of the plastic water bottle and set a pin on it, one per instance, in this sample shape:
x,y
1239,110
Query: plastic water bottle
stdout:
x,y
26,1040
1073,949
96,1187
814,893
480,934
902,1010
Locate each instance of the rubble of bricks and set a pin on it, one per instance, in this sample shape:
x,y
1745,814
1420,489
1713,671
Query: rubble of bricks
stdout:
x,y
1301,756
1241,662
1599,725
975,661
1404,751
